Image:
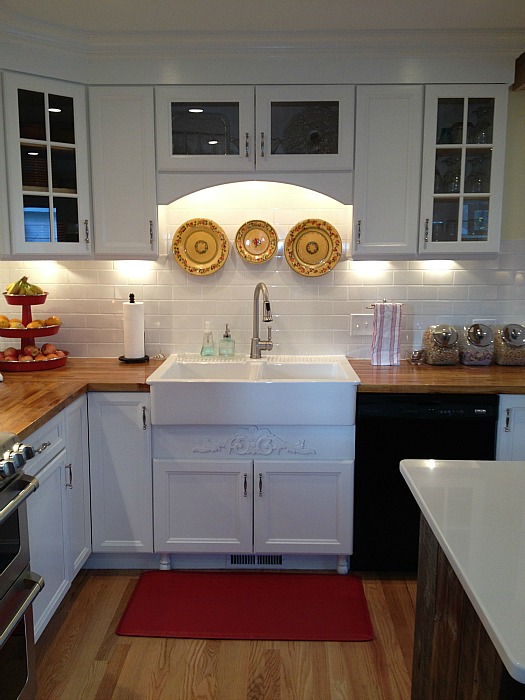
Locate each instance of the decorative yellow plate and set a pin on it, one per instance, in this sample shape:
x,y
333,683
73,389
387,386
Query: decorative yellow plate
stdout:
x,y
256,241
200,246
312,247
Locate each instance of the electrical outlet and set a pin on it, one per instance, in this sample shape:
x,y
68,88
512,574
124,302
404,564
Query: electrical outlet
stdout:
x,y
485,321
361,324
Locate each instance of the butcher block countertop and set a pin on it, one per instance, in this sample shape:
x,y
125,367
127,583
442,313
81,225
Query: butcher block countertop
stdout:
x,y
29,399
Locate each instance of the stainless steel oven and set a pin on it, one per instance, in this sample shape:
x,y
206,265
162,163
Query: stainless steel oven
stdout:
x,y
18,585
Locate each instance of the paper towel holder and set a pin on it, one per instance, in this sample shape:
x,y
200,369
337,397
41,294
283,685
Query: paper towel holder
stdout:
x,y
385,301
133,360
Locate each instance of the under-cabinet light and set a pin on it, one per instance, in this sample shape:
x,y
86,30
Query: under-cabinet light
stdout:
x,y
54,109
32,153
195,110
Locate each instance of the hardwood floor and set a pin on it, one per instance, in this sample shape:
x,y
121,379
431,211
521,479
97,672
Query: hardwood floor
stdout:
x,y
80,657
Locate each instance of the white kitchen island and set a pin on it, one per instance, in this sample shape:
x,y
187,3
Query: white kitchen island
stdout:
x,y
470,613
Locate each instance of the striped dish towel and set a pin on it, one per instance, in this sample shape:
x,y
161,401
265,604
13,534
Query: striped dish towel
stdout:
x,y
386,333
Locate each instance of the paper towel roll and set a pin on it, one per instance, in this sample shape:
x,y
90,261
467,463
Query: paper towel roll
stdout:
x,y
133,315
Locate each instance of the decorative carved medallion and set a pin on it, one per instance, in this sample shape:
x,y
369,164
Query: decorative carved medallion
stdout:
x,y
254,441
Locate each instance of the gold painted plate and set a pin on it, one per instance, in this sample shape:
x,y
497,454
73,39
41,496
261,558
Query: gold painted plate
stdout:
x,y
312,247
256,241
200,246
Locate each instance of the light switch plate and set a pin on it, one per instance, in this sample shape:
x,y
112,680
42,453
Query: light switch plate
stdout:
x,y
361,324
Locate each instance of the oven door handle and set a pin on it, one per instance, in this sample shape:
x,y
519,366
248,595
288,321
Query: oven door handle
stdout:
x,y
36,583
31,484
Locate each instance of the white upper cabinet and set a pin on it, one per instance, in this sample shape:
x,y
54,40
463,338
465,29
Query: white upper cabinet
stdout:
x,y
123,165
246,128
48,172
387,177
463,161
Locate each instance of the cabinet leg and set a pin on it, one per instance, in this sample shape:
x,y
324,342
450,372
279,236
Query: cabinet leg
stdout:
x,y
342,564
165,562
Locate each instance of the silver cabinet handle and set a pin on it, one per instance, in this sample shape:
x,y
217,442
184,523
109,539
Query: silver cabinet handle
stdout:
x,y
260,486
42,447
426,230
150,232
69,470
144,422
507,420
247,145
245,485
359,232
262,144
86,231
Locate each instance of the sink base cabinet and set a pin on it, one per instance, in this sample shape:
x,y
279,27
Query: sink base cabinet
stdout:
x,y
256,506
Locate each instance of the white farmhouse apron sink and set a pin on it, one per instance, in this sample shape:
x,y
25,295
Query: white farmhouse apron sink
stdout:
x,y
275,390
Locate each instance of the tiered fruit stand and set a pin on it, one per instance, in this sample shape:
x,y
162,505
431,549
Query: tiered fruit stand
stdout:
x,y
27,335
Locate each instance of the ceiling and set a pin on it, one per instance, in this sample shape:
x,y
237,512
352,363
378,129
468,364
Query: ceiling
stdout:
x,y
127,17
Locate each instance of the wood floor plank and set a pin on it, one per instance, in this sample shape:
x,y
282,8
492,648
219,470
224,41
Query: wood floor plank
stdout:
x,y
79,656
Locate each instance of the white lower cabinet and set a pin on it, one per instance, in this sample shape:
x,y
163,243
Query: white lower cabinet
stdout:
x,y
120,456
511,427
253,506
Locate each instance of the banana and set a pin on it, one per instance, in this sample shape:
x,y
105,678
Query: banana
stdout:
x,y
23,287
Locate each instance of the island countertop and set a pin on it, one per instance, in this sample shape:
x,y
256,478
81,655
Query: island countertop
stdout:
x,y
28,399
476,511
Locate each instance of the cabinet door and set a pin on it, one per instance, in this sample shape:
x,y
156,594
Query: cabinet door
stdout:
x,y
307,127
303,507
202,505
48,175
5,243
77,486
463,161
387,177
120,466
123,163
208,128
49,539
511,428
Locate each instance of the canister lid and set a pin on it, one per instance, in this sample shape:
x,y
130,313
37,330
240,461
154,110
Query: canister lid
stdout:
x,y
445,336
480,335
513,334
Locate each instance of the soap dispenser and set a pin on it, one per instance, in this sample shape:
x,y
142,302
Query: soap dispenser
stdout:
x,y
227,343
208,346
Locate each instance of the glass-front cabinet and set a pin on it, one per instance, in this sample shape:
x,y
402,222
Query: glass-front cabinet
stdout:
x,y
48,174
463,161
246,128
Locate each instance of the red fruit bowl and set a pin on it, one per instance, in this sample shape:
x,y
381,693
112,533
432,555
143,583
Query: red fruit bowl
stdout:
x,y
34,366
25,299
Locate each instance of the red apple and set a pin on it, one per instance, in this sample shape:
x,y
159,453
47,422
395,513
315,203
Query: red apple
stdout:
x,y
48,348
31,350
10,352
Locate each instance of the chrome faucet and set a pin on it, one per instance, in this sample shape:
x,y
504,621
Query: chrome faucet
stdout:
x,y
257,343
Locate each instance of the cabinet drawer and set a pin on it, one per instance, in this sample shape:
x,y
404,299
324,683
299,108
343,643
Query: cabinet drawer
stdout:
x,y
47,441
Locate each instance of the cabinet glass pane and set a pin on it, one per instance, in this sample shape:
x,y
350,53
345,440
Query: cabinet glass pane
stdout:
x,y
61,119
37,220
445,220
66,219
447,176
480,120
450,120
34,167
474,226
31,115
477,170
304,127
205,128
63,170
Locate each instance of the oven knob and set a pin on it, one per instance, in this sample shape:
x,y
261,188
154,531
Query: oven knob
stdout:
x,y
7,468
17,459
26,450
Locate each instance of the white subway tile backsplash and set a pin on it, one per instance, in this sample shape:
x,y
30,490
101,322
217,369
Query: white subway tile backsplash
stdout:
x,y
311,315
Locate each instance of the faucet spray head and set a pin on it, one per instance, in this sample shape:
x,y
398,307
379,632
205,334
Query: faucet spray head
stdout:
x,y
267,312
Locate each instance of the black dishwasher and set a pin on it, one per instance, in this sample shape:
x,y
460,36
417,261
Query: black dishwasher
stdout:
x,y
392,427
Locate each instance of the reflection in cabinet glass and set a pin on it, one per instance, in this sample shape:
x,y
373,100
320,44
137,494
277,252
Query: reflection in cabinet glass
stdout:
x,y
304,127
46,124
205,128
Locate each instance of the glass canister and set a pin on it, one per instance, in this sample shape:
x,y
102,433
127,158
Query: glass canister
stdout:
x,y
476,345
441,345
509,345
